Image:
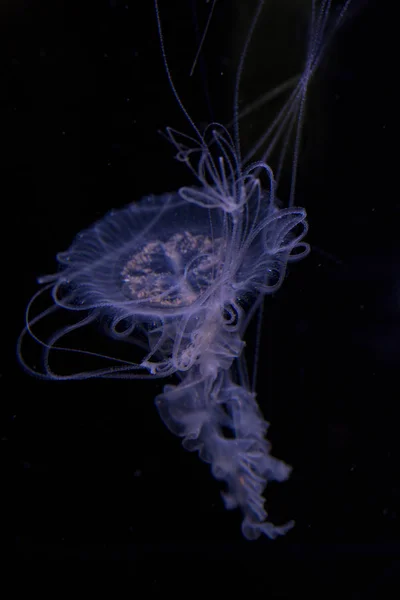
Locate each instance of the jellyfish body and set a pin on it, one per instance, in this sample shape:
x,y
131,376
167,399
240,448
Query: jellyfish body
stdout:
x,y
183,276
179,276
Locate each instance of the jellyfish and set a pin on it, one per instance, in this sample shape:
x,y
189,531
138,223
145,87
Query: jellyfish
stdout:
x,y
179,276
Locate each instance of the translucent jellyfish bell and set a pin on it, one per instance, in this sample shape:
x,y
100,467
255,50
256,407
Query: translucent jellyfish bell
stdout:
x,y
147,265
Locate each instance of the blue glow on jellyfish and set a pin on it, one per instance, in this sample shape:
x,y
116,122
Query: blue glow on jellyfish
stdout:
x,y
180,276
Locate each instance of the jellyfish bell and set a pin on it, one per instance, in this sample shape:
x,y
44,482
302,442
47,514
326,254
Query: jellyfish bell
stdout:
x,y
149,264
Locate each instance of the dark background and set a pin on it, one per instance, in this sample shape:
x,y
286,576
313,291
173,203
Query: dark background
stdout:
x,y
89,470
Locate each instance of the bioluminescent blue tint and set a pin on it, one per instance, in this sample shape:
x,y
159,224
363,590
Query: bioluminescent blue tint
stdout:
x,y
176,279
